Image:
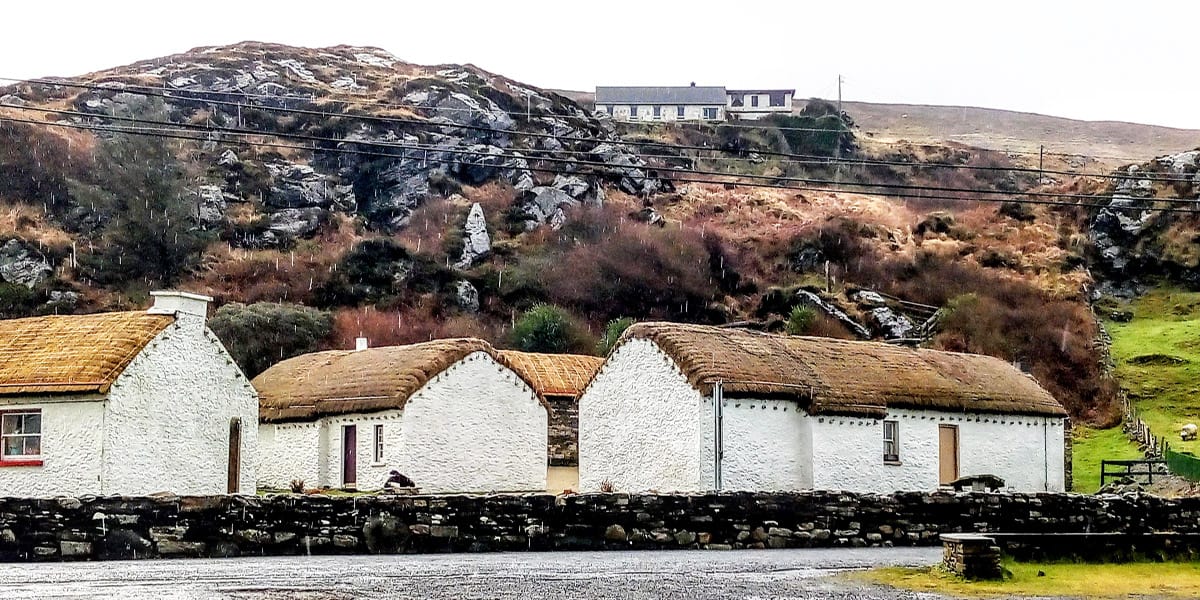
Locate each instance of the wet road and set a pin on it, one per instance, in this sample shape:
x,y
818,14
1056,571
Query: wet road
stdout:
x,y
746,574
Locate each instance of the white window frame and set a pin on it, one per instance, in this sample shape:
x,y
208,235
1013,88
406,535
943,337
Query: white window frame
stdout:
x,y
754,100
680,112
891,441
5,417
377,449
711,110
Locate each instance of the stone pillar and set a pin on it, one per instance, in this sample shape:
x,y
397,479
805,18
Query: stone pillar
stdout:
x,y
971,556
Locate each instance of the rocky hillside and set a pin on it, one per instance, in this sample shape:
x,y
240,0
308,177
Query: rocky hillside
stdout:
x,y
321,194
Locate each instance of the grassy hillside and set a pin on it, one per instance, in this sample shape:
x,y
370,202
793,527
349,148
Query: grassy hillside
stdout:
x,y
1157,357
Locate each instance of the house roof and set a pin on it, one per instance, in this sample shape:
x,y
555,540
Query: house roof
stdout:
x,y
761,91
841,377
661,95
72,354
345,381
553,374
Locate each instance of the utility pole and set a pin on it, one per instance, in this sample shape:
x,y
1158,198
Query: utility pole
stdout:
x,y
837,143
1041,157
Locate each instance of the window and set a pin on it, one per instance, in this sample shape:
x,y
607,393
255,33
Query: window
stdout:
x,y
737,100
710,113
777,98
657,112
891,441
754,100
609,109
21,437
633,111
679,114
378,444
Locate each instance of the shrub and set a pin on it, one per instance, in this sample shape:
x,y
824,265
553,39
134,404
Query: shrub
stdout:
x,y
549,328
800,320
612,332
259,335
34,166
383,272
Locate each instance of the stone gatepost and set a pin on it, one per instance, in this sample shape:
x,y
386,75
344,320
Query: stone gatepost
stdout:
x,y
971,556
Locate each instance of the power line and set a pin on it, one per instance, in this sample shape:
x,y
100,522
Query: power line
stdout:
x,y
206,97
576,162
168,134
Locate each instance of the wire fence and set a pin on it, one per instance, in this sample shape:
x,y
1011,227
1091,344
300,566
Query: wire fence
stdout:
x,y
1181,464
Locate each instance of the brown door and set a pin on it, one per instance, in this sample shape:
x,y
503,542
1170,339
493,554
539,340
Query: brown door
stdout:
x,y
235,455
947,453
349,456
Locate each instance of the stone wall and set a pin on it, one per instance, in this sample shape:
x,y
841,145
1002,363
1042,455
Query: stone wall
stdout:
x,y
168,526
564,431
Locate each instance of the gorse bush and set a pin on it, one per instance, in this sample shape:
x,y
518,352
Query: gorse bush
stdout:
x,y
612,332
800,320
548,328
260,335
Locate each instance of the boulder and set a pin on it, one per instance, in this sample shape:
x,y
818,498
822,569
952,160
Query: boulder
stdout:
x,y
297,222
228,158
22,264
466,296
299,186
889,323
869,299
211,203
544,205
477,243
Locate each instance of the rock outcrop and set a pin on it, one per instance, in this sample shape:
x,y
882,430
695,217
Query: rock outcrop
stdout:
x,y
22,264
477,243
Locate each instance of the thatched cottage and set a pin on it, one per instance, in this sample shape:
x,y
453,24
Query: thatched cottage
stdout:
x,y
691,407
559,378
124,403
448,414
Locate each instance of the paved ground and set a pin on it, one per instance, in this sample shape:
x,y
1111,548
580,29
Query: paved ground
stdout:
x,y
743,574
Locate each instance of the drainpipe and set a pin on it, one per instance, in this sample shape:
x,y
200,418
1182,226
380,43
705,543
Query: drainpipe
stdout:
x,y
718,434
1046,453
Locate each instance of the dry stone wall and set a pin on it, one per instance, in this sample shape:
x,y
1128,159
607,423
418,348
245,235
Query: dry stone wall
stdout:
x,y
218,526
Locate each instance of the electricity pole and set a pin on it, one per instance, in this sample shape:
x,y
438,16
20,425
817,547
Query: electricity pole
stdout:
x,y
837,143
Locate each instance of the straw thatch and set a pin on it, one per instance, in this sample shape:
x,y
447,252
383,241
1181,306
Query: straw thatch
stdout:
x,y
72,354
343,381
831,376
553,374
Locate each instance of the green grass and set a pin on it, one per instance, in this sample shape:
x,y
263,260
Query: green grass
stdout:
x,y
1089,580
1157,358
1089,447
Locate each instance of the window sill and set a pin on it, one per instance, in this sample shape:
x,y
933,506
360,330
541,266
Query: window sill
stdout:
x,y
32,462
894,463
379,464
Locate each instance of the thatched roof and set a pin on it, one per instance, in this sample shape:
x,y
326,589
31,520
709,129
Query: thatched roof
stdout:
x,y
72,354
345,381
831,376
553,374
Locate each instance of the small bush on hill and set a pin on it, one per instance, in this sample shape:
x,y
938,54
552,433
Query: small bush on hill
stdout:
x,y
383,272
34,166
800,320
260,335
612,332
549,328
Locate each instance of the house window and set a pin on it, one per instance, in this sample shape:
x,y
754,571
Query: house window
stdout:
x,y
609,109
754,100
21,437
777,98
679,114
378,444
633,111
891,441
657,112
737,100
710,113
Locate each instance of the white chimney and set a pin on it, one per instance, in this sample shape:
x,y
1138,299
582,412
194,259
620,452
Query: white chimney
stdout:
x,y
360,344
179,303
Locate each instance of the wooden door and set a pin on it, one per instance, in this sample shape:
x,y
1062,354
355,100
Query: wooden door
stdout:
x,y
349,456
235,455
947,453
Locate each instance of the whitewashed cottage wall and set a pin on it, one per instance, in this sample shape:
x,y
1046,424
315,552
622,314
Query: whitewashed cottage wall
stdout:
x,y
475,427
168,417
640,424
71,451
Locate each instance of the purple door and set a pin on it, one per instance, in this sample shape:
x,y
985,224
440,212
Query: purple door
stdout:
x,y
349,456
